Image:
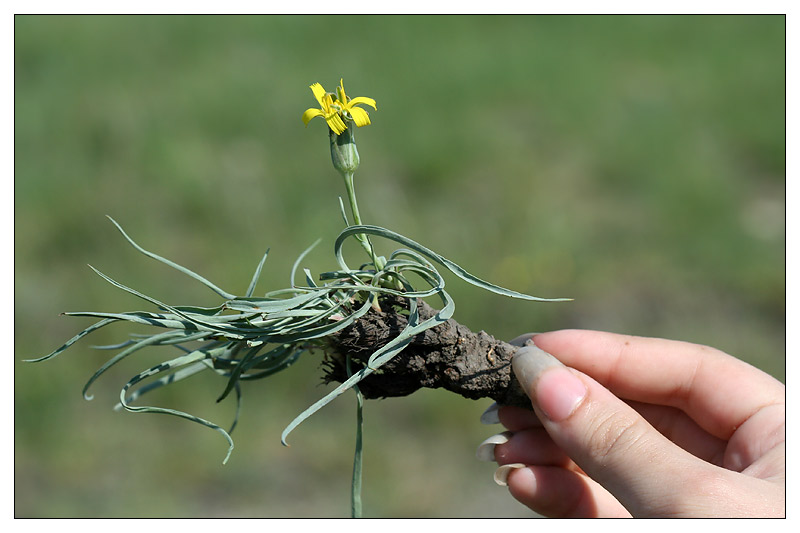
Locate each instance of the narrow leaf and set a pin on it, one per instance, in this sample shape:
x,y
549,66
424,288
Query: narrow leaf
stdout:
x,y
201,279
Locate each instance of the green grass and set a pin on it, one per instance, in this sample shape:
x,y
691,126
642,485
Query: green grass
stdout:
x,y
635,164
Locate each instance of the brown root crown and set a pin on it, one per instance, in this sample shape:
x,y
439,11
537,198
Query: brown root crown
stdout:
x,y
449,356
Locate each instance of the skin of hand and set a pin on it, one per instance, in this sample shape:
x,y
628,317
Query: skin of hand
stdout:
x,y
631,426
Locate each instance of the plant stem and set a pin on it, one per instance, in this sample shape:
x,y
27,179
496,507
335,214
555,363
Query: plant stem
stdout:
x,y
358,459
355,487
363,239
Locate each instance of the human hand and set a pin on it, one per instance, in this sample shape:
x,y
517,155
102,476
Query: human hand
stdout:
x,y
635,426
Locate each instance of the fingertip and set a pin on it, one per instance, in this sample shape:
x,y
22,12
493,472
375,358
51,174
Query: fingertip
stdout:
x,y
552,387
502,474
523,482
559,393
531,446
486,449
515,418
530,362
563,493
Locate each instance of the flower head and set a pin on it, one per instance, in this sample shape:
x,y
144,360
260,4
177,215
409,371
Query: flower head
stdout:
x,y
339,111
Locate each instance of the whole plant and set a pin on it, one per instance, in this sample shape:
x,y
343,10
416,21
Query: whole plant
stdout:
x,y
378,335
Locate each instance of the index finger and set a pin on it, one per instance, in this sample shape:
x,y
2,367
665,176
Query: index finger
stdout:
x,y
718,391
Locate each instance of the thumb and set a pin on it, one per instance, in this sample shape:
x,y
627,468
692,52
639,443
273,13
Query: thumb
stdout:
x,y
604,436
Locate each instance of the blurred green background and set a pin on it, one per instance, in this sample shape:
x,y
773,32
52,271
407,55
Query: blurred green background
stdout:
x,y
635,164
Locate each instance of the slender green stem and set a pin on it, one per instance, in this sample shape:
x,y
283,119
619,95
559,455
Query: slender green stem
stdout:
x,y
351,195
355,494
363,239
358,459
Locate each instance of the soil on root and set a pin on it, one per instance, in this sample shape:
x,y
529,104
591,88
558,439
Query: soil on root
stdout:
x,y
449,356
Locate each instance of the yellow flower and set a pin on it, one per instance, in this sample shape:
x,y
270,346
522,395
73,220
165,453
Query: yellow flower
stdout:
x,y
337,111
358,115
328,110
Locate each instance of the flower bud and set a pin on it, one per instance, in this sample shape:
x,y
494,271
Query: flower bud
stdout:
x,y
343,151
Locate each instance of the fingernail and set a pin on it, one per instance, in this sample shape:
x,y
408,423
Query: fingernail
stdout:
x,y
522,339
501,474
489,416
554,388
529,362
485,451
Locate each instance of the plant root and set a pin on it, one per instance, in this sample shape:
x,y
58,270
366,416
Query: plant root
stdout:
x,y
449,356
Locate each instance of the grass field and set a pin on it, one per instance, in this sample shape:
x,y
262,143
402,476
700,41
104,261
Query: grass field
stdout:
x,y
635,164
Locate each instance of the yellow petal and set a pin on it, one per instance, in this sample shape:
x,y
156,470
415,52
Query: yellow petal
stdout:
x,y
360,117
340,91
319,92
336,123
362,100
311,113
